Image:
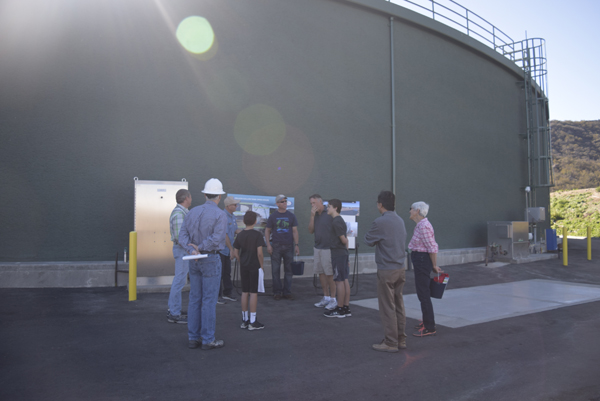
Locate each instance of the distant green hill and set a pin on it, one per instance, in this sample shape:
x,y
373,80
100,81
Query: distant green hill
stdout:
x,y
576,154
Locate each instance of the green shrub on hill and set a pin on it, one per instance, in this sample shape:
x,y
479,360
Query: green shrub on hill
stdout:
x,y
576,210
575,154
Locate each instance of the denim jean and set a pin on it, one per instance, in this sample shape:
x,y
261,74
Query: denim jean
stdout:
x,y
205,280
225,275
182,268
423,267
287,253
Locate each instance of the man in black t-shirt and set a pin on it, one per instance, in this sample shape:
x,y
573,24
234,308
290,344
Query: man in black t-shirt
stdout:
x,y
282,228
339,261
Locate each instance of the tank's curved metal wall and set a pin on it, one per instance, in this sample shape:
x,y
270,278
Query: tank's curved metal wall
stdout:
x,y
95,93
459,119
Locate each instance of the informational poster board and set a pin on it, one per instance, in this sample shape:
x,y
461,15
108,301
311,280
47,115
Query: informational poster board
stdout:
x,y
261,205
350,212
265,205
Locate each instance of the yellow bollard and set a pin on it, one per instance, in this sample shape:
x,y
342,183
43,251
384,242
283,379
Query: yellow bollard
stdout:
x,y
133,266
589,243
565,248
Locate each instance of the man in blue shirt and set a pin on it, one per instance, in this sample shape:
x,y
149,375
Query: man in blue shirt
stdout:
x,y
203,232
226,253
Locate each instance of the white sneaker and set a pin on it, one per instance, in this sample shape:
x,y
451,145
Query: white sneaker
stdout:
x,y
332,304
323,302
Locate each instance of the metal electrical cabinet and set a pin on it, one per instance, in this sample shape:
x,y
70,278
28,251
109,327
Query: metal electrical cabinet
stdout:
x,y
512,238
153,204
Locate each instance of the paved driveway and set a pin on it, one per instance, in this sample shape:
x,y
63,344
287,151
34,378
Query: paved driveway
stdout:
x,y
92,344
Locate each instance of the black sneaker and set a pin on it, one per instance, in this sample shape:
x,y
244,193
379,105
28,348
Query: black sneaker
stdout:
x,y
256,326
245,324
229,298
423,332
337,312
347,311
419,326
214,345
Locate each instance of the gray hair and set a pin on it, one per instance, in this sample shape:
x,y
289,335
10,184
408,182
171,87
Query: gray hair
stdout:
x,y
182,195
422,207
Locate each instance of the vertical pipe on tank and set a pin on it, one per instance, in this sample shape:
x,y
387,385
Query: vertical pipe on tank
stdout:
x,y
393,105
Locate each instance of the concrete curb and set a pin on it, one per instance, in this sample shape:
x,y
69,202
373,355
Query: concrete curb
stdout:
x,y
102,274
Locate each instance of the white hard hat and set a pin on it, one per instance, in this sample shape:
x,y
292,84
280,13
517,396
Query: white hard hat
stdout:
x,y
213,187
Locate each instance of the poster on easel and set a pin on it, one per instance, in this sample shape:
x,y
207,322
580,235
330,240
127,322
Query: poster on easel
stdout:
x,y
263,206
350,212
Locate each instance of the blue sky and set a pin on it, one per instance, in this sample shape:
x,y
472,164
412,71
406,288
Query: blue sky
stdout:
x,y
572,32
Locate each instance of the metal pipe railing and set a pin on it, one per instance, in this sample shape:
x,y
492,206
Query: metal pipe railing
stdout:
x,y
456,15
450,13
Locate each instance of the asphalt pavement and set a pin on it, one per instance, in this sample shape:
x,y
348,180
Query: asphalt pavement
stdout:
x,y
93,344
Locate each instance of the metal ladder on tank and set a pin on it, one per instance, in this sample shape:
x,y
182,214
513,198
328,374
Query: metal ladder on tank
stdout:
x,y
530,55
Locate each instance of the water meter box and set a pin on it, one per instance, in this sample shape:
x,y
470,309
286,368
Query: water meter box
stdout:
x,y
511,236
536,214
153,204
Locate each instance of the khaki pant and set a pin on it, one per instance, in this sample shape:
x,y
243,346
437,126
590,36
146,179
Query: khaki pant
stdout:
x,y
391,305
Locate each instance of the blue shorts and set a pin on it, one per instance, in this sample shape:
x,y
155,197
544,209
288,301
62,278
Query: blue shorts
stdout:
x,y
341,267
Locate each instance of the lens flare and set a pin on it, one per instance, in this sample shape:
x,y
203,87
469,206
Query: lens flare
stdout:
x,y
259,129
195,34
286,169
227,90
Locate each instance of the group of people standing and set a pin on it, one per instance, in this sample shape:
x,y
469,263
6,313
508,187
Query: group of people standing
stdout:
x,y
331,260
211,232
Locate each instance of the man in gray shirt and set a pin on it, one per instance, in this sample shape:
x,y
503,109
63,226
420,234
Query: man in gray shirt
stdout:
x,y
388,235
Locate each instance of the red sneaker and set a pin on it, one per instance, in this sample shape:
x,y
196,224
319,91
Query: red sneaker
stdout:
x,y
423,332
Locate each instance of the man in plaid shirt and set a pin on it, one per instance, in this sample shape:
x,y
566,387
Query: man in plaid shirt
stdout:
x,y
182,267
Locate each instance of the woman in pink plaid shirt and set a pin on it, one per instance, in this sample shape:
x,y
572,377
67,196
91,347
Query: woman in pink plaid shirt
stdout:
x,y
423,254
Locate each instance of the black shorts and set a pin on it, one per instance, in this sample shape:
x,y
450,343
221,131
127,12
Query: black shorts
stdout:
x,y
249,277
341,267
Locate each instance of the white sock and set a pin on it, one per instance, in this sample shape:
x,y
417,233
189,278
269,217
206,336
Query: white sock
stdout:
x,y
327,298
245,315
252,317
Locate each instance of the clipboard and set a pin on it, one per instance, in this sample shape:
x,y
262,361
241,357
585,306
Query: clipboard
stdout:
x,y
201,256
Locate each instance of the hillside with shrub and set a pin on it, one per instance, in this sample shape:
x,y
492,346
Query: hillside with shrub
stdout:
x,y
576,154
576,210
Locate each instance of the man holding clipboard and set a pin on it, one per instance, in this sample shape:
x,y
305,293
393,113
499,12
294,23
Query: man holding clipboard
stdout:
x,y
203,233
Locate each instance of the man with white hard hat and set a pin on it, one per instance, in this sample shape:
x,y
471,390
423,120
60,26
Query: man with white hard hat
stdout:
x,y
203,232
